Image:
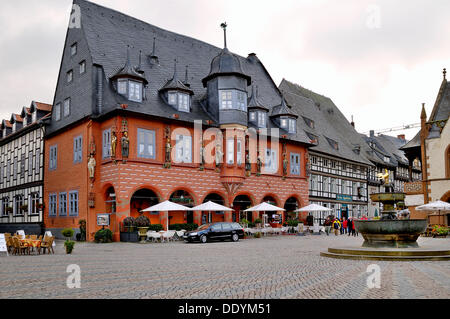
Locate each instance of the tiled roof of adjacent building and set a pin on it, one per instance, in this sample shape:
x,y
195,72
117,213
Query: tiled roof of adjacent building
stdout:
x,y
323,120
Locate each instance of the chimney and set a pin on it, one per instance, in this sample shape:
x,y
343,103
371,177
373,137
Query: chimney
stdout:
x,y
372,133
401,137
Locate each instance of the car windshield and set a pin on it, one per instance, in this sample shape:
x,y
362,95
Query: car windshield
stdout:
x,y
203,227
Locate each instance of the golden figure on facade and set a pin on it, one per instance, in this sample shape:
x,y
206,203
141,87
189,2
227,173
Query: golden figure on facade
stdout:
x,y
384,177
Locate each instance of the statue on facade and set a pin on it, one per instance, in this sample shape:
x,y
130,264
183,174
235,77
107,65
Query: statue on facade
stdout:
x,y
91,166
219,156
168,151
113,144
258,165
248,165
202,155
125,142
285,165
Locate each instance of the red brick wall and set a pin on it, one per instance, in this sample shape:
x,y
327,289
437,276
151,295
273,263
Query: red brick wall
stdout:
x,y
140,173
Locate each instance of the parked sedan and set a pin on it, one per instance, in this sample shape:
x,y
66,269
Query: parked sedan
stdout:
x,y
215,231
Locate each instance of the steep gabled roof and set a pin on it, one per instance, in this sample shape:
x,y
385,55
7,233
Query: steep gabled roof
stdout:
x,y
42,106
330,140
108,32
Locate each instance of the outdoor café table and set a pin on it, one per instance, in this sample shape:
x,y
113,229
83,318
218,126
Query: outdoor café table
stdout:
x,y
31,243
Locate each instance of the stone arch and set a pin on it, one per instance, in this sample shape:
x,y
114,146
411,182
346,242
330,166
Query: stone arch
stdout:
x,y
274,197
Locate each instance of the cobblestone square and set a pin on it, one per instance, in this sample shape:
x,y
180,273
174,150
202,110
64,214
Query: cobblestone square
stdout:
x,y
271,267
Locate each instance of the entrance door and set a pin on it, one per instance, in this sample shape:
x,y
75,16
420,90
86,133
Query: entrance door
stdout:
x,y
344,212
190,217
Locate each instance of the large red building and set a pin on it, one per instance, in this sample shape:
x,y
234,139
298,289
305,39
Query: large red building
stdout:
x,y
127,132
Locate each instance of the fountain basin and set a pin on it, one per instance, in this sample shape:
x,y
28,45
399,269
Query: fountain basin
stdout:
x,y
391,233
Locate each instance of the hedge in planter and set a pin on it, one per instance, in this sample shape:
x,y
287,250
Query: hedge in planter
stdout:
x,y
156,227
68,244
187,227
103,236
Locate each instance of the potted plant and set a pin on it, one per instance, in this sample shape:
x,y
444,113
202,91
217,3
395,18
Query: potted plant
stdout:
x,y
439,231
9,210
68,244
128,233
24,208
142,223
258,223
244,223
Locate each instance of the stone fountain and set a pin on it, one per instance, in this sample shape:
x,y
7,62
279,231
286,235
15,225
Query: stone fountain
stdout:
x,y
389,238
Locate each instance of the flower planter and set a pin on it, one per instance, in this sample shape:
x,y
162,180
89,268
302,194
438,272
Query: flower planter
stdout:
x,y
143,232
129,237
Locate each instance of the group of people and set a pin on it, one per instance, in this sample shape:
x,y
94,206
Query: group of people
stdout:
x,y
341,226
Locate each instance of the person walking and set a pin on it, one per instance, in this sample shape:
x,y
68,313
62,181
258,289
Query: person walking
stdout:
x,y
336,226
353,229
344,226
327,225
350,226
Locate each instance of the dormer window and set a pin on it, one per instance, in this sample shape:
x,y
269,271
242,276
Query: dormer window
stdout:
x,y
261,119
57,112
69,76
179,100
233,100
34,116
135,91
14,127
82,67
253,116
25,122
122,87
73,49
292,126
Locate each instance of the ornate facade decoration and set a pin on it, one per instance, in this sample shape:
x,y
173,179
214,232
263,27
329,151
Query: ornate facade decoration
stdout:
x,y
168,159
219,157
92,163
202,155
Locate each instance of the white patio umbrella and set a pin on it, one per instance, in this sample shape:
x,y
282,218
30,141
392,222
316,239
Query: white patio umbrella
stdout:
x,y
437,206
314,208
265,207
166,206
211,207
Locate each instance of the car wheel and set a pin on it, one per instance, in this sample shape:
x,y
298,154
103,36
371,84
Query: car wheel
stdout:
x,y
235,237
203,239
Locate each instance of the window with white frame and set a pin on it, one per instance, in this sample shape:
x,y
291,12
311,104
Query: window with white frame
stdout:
x,y
283,123
62,204
292,126
2,171
325,184
183,102
73,49
69,76
230,151
295,164
271,164
122,86
135,91
226,100
233,99
57,112
146,144
261,119
18,203
82,67
253,116
313,182
77,149
53,159
66,107
52,204
37,166
172,97
5,205
34,200
106,144
333,186
183,149
73,203
239,154
8,171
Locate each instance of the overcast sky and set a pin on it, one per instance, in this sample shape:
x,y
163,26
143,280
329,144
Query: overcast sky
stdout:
x,y
377,60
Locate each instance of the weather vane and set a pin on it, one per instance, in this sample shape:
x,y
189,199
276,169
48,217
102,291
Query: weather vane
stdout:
x,y
224,27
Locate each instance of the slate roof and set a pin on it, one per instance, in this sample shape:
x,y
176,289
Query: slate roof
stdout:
x,y
42,106
283,109
305,103
415,142
385,145
108,33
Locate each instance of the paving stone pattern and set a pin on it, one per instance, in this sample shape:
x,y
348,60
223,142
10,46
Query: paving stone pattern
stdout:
x,y
279,267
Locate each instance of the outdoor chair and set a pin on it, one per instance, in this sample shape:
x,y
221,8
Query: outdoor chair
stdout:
x,y
149,234
154,236
40,237
47,245
9,244
169,235
21,248
180,234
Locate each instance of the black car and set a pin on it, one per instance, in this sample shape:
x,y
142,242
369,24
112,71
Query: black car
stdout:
x,y
215,231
